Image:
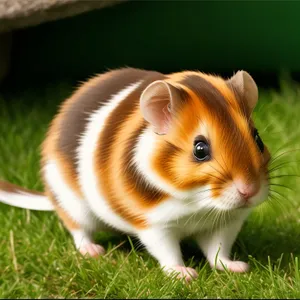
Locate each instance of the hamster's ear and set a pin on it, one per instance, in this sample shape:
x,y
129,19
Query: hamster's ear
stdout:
x,y
158,103
246,89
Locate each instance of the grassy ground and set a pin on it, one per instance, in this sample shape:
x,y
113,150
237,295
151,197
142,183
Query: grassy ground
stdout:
x,y
37,257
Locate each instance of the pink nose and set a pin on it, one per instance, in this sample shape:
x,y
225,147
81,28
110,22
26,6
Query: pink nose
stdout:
x,y
247,190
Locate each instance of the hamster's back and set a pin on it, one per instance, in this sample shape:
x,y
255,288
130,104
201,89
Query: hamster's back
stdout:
x,y
100,116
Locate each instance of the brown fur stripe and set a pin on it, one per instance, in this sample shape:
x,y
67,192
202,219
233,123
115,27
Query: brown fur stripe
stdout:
x,y
67,127
163,161
149,194
12,188
207,92
109,143
90,98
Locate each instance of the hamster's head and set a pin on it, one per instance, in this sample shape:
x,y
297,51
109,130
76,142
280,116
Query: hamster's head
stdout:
x,y
207,146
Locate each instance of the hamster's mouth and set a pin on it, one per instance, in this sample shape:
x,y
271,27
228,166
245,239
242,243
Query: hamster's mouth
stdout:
x,y
260,197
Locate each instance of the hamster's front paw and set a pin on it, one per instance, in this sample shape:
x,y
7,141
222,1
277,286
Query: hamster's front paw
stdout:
x,y
91,249
238,266
184,272
233,266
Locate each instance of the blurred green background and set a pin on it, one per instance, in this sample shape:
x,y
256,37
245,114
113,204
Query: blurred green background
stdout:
x,y
261,37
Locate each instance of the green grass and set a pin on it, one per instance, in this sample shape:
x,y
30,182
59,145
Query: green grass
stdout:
x,y
37,256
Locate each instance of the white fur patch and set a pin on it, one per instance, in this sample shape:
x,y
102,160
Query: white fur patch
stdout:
x,y
176,209
26,200
163,245
75,207
216,245
143,151
86,165
81,238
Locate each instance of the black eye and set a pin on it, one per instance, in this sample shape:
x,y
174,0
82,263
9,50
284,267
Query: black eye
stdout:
x,y
201,150
258,141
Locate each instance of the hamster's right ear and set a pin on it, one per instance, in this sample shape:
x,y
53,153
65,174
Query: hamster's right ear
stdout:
x,y
158,103
246,88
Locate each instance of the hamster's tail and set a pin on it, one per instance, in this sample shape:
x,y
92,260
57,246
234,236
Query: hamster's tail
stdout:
x,y
17,196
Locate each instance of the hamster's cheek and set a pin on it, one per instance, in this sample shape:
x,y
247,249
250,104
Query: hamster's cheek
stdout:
x,y
203,197
207,198
228,197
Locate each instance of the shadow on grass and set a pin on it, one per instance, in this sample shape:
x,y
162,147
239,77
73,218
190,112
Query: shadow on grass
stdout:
x,y
259,243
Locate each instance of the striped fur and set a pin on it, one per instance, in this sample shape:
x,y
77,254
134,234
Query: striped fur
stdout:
x,y
103,165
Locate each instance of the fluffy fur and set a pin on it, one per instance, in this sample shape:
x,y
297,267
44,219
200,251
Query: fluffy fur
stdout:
x,y
119,154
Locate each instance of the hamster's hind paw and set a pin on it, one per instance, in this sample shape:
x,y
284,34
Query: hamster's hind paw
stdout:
x,y
183,272
233,266
238,266
92,250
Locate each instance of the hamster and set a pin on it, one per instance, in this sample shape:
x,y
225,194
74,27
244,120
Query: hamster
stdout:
x,y
160,157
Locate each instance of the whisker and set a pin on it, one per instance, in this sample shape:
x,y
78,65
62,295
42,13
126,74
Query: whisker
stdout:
x,y
283,175
276,192
219,220
283,145
225,214
224,160
228,216
218,171
196,200
275,198
222,174
280,155
279,202
190,218
209,189
207,214
213,222
282,164
214,176
281,185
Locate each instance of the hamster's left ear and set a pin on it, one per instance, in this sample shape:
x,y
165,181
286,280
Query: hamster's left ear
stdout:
x,y
246,89
159,103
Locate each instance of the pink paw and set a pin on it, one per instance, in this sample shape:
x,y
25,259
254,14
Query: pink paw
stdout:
x,y
184,272
92,250
238,266
233,266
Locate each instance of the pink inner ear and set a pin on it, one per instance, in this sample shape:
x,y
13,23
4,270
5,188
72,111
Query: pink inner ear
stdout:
x,y
160,115
167,117
156,105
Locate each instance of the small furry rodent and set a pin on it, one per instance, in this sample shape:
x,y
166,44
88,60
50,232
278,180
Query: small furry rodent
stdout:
x,y
158,157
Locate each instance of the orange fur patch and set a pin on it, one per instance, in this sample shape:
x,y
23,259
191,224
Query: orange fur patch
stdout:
x,y
234,152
